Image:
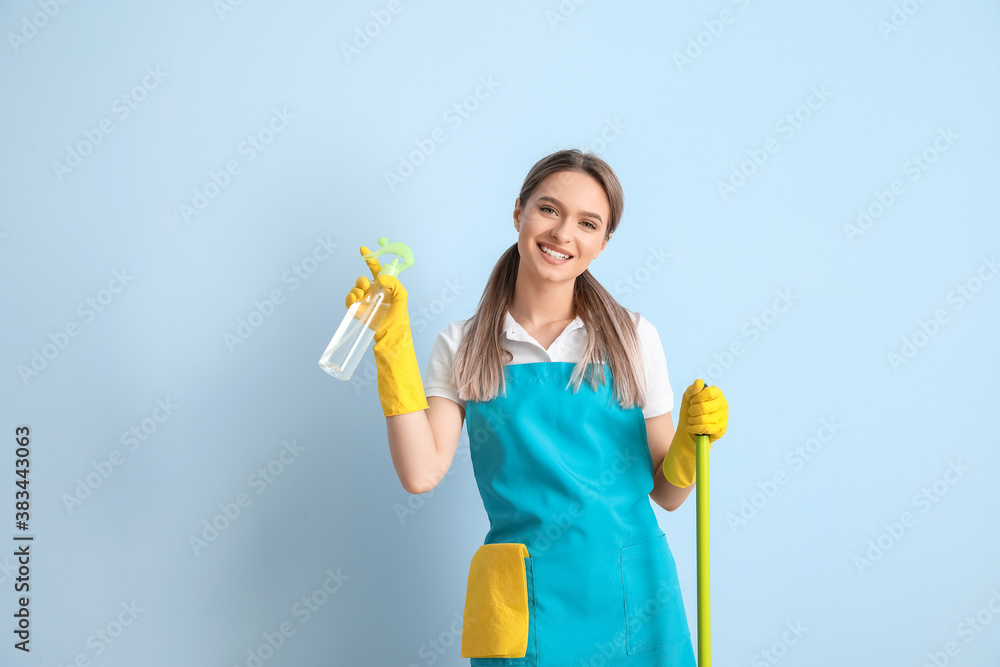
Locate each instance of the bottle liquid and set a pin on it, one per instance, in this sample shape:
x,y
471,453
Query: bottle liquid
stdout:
x,y
363,318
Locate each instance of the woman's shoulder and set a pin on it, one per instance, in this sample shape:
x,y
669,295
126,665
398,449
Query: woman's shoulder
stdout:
x,y
444,350
649,337
643,326
454,331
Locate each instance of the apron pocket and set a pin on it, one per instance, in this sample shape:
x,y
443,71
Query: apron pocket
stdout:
x,y
499,606
654,609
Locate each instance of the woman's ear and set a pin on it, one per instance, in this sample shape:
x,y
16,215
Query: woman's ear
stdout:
x,y
604,245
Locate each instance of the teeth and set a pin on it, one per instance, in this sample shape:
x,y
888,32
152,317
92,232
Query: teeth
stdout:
x,y
555,254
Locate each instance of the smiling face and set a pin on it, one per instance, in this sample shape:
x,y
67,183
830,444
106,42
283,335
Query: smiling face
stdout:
x,y
567,213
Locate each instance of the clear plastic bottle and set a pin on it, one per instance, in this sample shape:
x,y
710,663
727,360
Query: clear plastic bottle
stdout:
x,y
363,318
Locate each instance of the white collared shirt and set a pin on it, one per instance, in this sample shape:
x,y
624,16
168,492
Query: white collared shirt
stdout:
x,y
569,346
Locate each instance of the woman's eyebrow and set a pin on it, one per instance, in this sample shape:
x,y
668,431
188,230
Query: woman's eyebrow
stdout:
x,y
559,203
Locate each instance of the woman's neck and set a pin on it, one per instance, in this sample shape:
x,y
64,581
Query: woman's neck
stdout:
x,y
542,304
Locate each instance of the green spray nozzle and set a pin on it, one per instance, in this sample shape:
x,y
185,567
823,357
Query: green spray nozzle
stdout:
x,y
401,250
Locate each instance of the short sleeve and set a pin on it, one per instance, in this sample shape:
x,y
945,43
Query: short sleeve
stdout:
x,y
437,378
659,395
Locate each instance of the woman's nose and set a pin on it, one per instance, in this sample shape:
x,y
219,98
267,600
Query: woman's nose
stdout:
x,y
562,230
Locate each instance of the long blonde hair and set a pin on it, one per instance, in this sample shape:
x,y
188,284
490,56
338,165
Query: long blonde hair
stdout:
x,y
611,331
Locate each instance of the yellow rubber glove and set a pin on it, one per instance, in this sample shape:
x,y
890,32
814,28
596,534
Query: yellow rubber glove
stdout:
x,y
400,388
704,411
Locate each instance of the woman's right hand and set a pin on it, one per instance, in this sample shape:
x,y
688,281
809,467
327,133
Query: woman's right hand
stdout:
x,y
399,385
397,319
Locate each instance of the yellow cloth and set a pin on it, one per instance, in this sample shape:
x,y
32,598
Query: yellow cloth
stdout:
x,y
496,603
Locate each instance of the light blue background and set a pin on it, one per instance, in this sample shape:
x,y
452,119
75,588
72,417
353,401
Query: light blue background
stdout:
x,y
672,131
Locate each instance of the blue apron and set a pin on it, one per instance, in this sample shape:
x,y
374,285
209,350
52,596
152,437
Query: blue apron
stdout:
x,y
568,475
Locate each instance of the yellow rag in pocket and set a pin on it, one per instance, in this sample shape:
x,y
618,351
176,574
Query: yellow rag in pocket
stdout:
x,y
495,624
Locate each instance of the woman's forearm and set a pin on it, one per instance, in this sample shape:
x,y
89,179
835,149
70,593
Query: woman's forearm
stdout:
x,y
414,453
665,494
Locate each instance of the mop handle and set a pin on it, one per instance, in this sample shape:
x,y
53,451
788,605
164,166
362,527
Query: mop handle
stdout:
x,y
704,598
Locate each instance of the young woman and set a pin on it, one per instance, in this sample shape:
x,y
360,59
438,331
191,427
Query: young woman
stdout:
x,y
574,568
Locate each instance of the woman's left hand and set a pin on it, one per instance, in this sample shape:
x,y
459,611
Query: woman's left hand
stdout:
x,y
708,411
704,411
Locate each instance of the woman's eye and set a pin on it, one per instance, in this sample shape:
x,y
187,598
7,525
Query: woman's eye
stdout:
x,y
549,208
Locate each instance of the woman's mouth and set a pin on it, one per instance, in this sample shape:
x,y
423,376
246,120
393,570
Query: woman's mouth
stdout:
x,y
552,256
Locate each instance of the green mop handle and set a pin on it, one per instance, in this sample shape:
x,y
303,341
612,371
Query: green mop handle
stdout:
x,y
704,598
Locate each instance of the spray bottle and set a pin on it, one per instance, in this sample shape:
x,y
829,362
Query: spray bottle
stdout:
x,y
363,318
